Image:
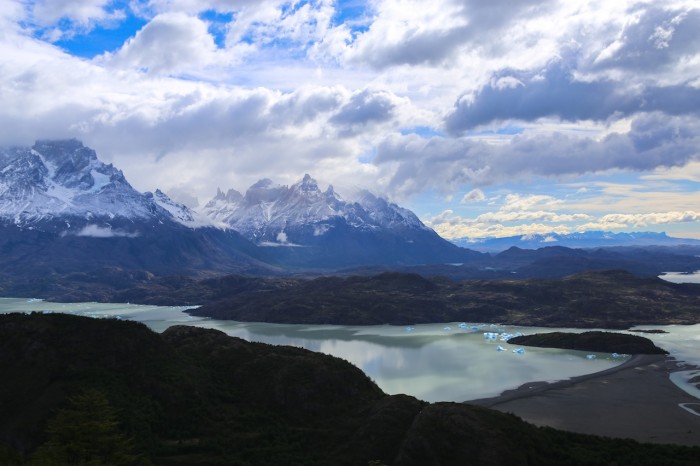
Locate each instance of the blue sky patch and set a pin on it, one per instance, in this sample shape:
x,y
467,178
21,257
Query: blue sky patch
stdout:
x,y
101,39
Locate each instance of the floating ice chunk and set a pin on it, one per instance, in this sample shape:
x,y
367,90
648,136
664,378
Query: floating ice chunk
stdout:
x,y
519,350
617,355
409,329
462,325
474,327
517,334
490,335
500,348
590,356
447,328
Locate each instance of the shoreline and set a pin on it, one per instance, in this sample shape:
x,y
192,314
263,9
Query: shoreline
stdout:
x,y
635,399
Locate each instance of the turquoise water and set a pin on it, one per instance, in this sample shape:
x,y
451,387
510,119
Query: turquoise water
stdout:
x,y
434,362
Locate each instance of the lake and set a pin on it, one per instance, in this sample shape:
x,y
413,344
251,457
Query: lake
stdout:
x,y
681,277
433,362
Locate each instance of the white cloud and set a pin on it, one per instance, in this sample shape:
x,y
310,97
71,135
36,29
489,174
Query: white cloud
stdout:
x,y
413,164
475,195
365,103
62,19
516,202
96,231
169,43
503,224
655,218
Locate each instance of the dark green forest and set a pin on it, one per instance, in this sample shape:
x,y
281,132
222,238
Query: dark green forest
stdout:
x,y
80,391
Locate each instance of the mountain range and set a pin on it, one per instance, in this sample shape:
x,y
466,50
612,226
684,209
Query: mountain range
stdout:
x,y
64,211
301,225
586,239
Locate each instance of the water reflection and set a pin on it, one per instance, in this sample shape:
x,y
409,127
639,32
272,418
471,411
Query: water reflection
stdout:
x,y
428,362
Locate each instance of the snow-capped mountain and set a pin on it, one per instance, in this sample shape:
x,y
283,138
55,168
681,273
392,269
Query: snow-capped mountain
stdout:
x,y
587,239
308,226
63,209
272,214
65,180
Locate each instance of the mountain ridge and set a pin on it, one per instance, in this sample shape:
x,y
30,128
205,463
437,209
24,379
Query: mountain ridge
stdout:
x,y
302,226
63,210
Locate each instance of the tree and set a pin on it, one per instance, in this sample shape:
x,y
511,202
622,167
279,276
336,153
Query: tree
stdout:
x,y
86,433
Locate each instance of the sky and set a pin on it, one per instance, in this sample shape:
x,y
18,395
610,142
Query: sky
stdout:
x,y
485,117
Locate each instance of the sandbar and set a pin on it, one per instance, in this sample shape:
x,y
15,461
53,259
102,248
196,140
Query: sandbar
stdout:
x,y
634,400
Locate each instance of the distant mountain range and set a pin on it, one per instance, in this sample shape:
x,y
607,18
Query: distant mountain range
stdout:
x,y
301,225
588,239
63,211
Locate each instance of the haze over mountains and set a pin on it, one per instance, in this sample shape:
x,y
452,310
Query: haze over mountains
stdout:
x,y
62,210
587,239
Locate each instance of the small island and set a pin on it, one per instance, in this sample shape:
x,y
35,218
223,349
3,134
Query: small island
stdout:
x,y
597,341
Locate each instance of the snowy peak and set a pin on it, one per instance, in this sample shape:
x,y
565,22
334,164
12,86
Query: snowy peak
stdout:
x,y
307,187
180,212
63,179
297,213
231,196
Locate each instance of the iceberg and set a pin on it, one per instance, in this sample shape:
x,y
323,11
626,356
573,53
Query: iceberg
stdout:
x,y
519,350
500,348
590,356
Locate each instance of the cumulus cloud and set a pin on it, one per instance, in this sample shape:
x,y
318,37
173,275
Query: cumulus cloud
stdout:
x,y
503,224
411,164
62,19
411,32
654,218
556,92
516,202
367,109
657,37
169,43
223,92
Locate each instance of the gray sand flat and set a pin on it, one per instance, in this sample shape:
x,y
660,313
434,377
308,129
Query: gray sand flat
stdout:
x,y
634,400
